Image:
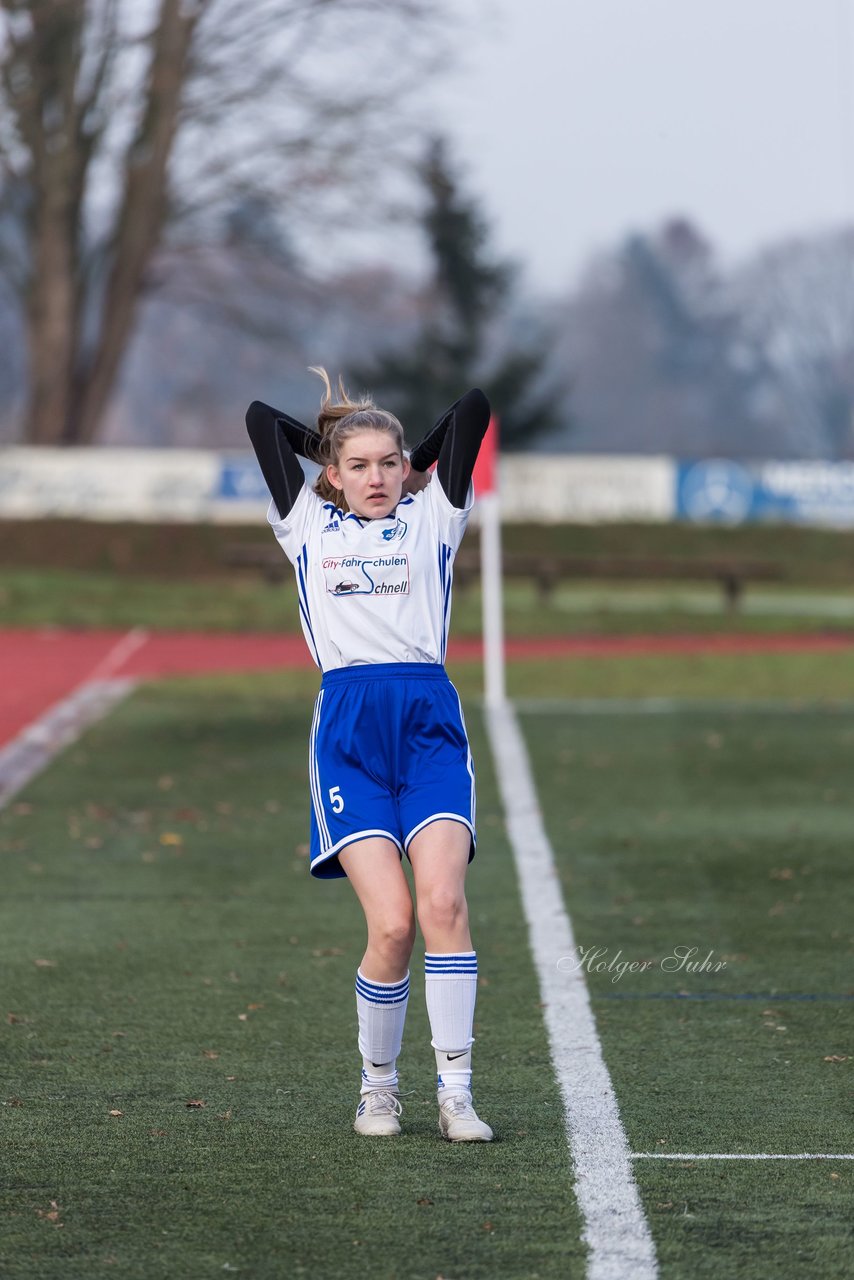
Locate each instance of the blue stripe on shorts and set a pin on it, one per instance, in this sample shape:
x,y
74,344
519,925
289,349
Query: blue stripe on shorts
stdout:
x,y
388,755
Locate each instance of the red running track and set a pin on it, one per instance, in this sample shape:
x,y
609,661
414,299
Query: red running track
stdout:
x,y
40,667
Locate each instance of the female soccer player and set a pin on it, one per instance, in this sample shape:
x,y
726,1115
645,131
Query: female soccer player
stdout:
x,y
390,770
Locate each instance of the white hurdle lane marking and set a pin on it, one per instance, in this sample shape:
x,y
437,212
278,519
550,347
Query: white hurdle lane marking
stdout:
x,y
33,749
119,654
615,1230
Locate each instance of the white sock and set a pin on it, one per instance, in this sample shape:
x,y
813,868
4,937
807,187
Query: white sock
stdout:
x,y
451,989
381,1007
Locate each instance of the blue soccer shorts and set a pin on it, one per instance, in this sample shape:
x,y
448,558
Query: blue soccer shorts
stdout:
x,y
388,755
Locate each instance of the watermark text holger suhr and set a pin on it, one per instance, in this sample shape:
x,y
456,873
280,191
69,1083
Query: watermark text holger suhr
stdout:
x,y
679,960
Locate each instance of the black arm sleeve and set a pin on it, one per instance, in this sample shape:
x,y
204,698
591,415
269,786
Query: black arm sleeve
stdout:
x,y
269,432
303,440
467,424
426,451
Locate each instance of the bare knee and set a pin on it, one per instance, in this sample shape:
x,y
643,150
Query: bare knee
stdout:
x,y
442,910
393,937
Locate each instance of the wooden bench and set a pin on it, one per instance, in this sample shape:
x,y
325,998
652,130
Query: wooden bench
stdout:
x,y
548,570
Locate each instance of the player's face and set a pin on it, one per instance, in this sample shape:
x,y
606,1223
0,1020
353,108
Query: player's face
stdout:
x,y
371,472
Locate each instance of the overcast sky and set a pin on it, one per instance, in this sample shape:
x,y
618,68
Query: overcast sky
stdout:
x,y
577,120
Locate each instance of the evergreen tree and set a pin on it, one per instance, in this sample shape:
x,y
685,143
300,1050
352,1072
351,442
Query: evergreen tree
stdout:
x,y
464,338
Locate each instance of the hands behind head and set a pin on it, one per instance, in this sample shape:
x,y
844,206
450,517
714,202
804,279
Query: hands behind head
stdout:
x,y
416,481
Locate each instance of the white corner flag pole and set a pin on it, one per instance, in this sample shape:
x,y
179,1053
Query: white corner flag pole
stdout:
x,y
486,485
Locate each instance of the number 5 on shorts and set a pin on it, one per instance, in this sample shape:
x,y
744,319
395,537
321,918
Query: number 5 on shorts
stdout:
x,y
336,799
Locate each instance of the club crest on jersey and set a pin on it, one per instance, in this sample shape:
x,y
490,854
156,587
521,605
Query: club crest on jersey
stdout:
x,y
399,531
366,576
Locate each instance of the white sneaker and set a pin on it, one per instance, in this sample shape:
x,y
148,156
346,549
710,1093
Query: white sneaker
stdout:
x,y
459,1121
376,1116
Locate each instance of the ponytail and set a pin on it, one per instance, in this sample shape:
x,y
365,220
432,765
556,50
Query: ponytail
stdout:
x,y
339,419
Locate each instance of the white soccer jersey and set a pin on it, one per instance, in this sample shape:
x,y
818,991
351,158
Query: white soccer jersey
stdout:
x,y
374,590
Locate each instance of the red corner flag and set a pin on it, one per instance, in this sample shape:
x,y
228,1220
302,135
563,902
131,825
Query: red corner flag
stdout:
x,y
485,475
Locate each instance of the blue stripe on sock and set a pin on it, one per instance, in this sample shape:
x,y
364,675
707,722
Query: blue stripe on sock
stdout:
x,y
382,993
453,964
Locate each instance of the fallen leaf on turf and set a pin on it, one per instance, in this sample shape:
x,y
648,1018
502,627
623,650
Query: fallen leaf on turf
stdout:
x,y
231,1078
158,1133
834,1175
116,1113
45,964
209,1053
226,1115
243,1017
253,1007
424,1200
14,1018
165,783
196,1102
782,873
487,1226
14,1102
836,1057
51,1214
171,837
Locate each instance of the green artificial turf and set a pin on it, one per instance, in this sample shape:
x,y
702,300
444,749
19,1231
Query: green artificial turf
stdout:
x,y
726,833
162,945
159,933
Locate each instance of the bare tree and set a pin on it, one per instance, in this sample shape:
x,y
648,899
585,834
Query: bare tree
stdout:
x,y
121,123
797,303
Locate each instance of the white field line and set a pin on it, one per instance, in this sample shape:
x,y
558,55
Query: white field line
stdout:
x,y
671,706
615,1231
36,745
706,1155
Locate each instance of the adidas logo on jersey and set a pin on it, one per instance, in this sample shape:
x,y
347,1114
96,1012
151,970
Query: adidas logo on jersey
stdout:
x,y
332,527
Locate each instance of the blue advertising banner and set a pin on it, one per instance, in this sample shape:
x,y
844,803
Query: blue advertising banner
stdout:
x,y
718,490
240,479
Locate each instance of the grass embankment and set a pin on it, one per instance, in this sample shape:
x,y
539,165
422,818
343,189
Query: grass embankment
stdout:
x,y
71,598
85,574
805,556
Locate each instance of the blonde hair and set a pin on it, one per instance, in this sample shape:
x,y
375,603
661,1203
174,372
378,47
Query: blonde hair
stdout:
x,y
339,419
